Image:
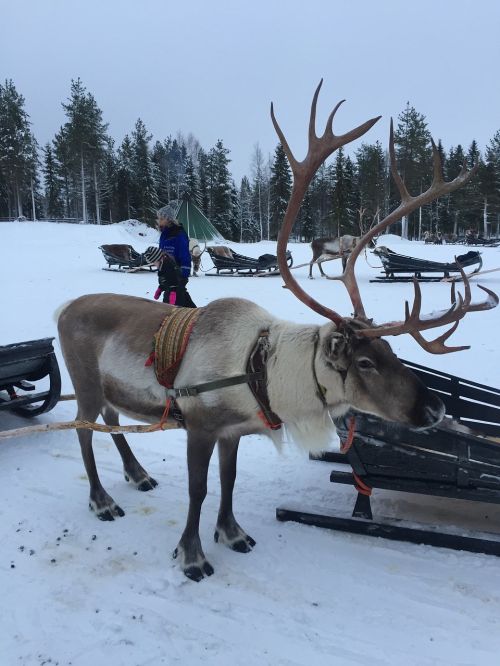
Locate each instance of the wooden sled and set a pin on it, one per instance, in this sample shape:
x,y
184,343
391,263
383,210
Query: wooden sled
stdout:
x,y
21,364
228,262
128,260
459,459
401,268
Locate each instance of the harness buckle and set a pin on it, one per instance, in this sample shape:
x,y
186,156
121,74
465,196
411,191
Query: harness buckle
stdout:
x,y
182,392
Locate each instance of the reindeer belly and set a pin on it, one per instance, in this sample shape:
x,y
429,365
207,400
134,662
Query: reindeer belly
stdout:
x,y
331,247
128,385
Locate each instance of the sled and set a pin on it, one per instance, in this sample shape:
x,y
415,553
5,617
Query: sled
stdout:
x,y
21,364
401,268
458,459
232,263
128,260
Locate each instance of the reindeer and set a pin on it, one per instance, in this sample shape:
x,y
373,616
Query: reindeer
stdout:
x,y
312,372
331,247
195,251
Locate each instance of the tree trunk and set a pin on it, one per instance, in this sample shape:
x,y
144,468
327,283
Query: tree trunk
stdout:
x,y
33,201
84,203
485,217
19,201
404,227
97,202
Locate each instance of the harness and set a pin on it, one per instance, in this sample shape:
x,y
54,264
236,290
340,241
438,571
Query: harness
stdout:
x,y
170,344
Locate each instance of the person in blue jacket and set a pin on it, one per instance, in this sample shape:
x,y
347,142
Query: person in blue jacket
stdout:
x,y
175,267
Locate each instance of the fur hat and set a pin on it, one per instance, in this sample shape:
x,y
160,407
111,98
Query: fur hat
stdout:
x,y
167,213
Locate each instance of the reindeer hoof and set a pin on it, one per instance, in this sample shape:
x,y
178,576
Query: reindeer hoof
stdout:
x,y
108,512
196,570
147,484
198,573
241,544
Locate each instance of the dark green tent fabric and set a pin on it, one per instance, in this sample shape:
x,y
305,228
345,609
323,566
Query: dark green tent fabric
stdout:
x,y
195,223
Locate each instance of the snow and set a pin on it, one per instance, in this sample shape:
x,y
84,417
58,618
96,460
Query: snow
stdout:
x,y
80,592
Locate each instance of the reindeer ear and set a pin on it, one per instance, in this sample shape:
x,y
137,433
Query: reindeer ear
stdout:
x,y
335,347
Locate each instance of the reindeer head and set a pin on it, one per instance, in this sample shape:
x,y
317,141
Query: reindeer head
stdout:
x,y
374,379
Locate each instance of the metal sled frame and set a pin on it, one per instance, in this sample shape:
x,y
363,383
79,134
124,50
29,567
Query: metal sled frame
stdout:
x,y
25,362
457,461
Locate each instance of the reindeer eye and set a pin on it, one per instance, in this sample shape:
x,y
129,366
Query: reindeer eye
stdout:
x,y
365,363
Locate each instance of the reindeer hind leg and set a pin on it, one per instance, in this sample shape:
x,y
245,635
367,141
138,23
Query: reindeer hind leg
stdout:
x,y
99,501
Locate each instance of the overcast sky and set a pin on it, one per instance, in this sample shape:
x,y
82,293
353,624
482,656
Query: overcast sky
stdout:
x,y
212,67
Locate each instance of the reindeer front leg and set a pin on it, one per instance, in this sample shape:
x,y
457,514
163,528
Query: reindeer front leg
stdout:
x,y
227,530
189,550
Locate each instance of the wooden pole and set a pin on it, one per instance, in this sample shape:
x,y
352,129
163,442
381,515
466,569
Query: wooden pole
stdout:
x,y
81,425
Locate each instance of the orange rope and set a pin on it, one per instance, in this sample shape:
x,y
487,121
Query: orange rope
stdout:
x,y
361,486
345,446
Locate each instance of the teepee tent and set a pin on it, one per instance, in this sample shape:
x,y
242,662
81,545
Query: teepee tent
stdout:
x,y
195,223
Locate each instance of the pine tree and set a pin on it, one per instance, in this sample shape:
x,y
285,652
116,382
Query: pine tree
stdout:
x,y
18,150
371,175
54,205
191,181
413,154
281,187
343,215
249,229
473,200
259,189
320,191
85,136
125,180
204,197
221,211
145,175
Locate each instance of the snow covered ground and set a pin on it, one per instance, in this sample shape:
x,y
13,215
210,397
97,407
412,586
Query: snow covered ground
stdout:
x,y
79,592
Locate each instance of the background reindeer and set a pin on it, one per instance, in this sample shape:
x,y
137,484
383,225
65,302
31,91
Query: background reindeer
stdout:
x,y
308,373
327,248
195,251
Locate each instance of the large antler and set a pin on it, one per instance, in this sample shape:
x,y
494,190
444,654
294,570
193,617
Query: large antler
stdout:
x,y
303,172
413,322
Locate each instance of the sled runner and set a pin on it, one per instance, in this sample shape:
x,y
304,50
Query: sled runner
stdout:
x,y
21,364
401,268
128,260
228,262
459,459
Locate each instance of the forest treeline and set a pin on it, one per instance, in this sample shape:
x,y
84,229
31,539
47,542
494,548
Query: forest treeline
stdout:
x,y
83,174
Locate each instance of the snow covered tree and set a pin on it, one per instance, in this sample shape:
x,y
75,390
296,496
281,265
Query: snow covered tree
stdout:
x,y
85,136
281,187
191,181
204,197
145,175
371,174
413,154
221,212
54,204
125,180
18,151
249,228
